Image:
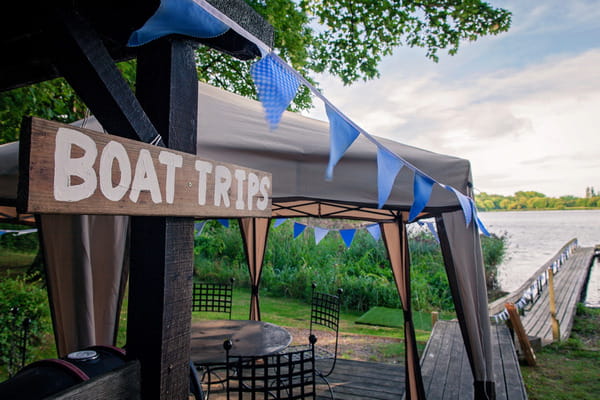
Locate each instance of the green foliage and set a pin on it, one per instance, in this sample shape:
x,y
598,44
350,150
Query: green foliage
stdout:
x,y
28,295
363,271
54,100
349,38
531,200
494,250
22,243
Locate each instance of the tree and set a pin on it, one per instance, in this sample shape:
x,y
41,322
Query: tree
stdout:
x,y
346,38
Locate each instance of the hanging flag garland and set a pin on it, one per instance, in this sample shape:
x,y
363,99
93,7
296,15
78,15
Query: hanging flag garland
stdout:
x,y
277,84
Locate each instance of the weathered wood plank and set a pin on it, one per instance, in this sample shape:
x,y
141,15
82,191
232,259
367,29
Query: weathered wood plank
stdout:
x,y
452,377
122,383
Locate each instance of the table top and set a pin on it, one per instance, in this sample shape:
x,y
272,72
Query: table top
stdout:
x,y
250,338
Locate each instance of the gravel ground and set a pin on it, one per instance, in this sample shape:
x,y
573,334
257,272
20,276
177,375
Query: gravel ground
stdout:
x,y
353,347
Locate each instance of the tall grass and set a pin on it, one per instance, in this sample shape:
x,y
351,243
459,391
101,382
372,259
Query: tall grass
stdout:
x,y
363,270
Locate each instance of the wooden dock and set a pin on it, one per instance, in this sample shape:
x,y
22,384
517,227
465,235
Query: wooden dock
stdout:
x,y
446,371
571,270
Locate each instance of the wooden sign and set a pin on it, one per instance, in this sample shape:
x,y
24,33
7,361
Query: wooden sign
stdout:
x,y
70,170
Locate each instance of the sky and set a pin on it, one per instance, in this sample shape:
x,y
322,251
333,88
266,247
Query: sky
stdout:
x,y
522,106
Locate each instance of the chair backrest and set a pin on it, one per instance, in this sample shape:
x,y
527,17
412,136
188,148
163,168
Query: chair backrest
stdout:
x,y
213,297
325,309
286,376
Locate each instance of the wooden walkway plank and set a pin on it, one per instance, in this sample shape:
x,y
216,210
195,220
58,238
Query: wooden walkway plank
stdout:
x,y
447,366
569,283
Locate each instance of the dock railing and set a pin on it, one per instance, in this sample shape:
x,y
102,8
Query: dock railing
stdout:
x,y
530,291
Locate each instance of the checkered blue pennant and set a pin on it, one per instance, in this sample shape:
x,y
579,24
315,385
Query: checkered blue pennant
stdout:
x,y
375,231
388,167
276,87
320,233
341,136
422,188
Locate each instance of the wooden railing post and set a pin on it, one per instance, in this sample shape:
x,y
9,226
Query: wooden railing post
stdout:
x,y
552,301
435,315
517,325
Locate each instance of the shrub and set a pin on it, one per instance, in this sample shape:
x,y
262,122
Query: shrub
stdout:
x,y
28,295
363,271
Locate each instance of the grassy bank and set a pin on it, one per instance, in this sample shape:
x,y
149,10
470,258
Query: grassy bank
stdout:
x,y
571,369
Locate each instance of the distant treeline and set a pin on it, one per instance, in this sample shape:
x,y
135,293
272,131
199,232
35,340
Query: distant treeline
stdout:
x,y
531,200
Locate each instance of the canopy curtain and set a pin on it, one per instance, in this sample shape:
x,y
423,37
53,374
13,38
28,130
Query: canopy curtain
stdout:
x,y
254,234
396,242
463,258
86,270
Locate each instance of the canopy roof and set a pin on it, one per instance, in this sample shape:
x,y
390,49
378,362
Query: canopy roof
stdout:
x,y
232,129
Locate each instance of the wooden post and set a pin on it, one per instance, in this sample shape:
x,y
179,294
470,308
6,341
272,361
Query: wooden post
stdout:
x,y
552,302
435,315
160,291
517,326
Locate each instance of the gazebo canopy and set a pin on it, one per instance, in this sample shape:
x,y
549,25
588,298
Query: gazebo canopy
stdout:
x,y
232,129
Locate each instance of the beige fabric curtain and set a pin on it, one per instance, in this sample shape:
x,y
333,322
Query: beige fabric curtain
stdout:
x,y
396,242
86,271
464,265
254,234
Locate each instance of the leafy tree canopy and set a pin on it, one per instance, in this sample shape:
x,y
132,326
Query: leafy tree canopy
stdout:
x,y
346,38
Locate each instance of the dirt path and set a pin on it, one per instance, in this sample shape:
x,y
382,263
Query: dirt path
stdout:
x,y
355,347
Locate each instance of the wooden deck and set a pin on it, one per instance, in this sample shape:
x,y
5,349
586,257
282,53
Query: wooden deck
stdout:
x,y
354,380
568,286
446,371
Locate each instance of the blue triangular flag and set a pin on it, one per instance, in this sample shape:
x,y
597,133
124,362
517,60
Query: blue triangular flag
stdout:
x,y
347,235
199,226
388,167
276,87
478,221
465,204
341,136
184,17
431,227
279,221
375,231
320,233
421,192
298,229
224,222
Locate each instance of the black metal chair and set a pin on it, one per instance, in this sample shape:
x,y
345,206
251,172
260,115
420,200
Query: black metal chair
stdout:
x,y
213,297
325,312
282,376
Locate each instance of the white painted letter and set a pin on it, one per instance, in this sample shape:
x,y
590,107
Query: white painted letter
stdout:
x,y
252,188
172,161
111,152
145,178
205,168
265,184
240,176
222,185
65,167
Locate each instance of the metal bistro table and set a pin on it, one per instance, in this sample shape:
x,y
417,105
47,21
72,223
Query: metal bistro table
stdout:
x,y
250,338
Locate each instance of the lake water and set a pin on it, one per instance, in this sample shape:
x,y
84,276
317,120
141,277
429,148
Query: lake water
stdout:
x,y
536,236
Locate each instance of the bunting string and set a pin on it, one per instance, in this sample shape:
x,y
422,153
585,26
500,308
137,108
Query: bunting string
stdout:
x,y
277,84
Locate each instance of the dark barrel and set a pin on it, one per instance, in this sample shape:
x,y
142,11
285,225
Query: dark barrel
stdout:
x,y
46,377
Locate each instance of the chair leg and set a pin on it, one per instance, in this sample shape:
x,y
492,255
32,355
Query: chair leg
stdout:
x,y
195,385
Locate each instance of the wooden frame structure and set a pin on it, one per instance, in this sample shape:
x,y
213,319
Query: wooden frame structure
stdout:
x,y
81,41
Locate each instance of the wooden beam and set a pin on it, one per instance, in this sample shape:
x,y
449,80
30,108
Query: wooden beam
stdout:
x,y
160,291
84,61
552,304
517,326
